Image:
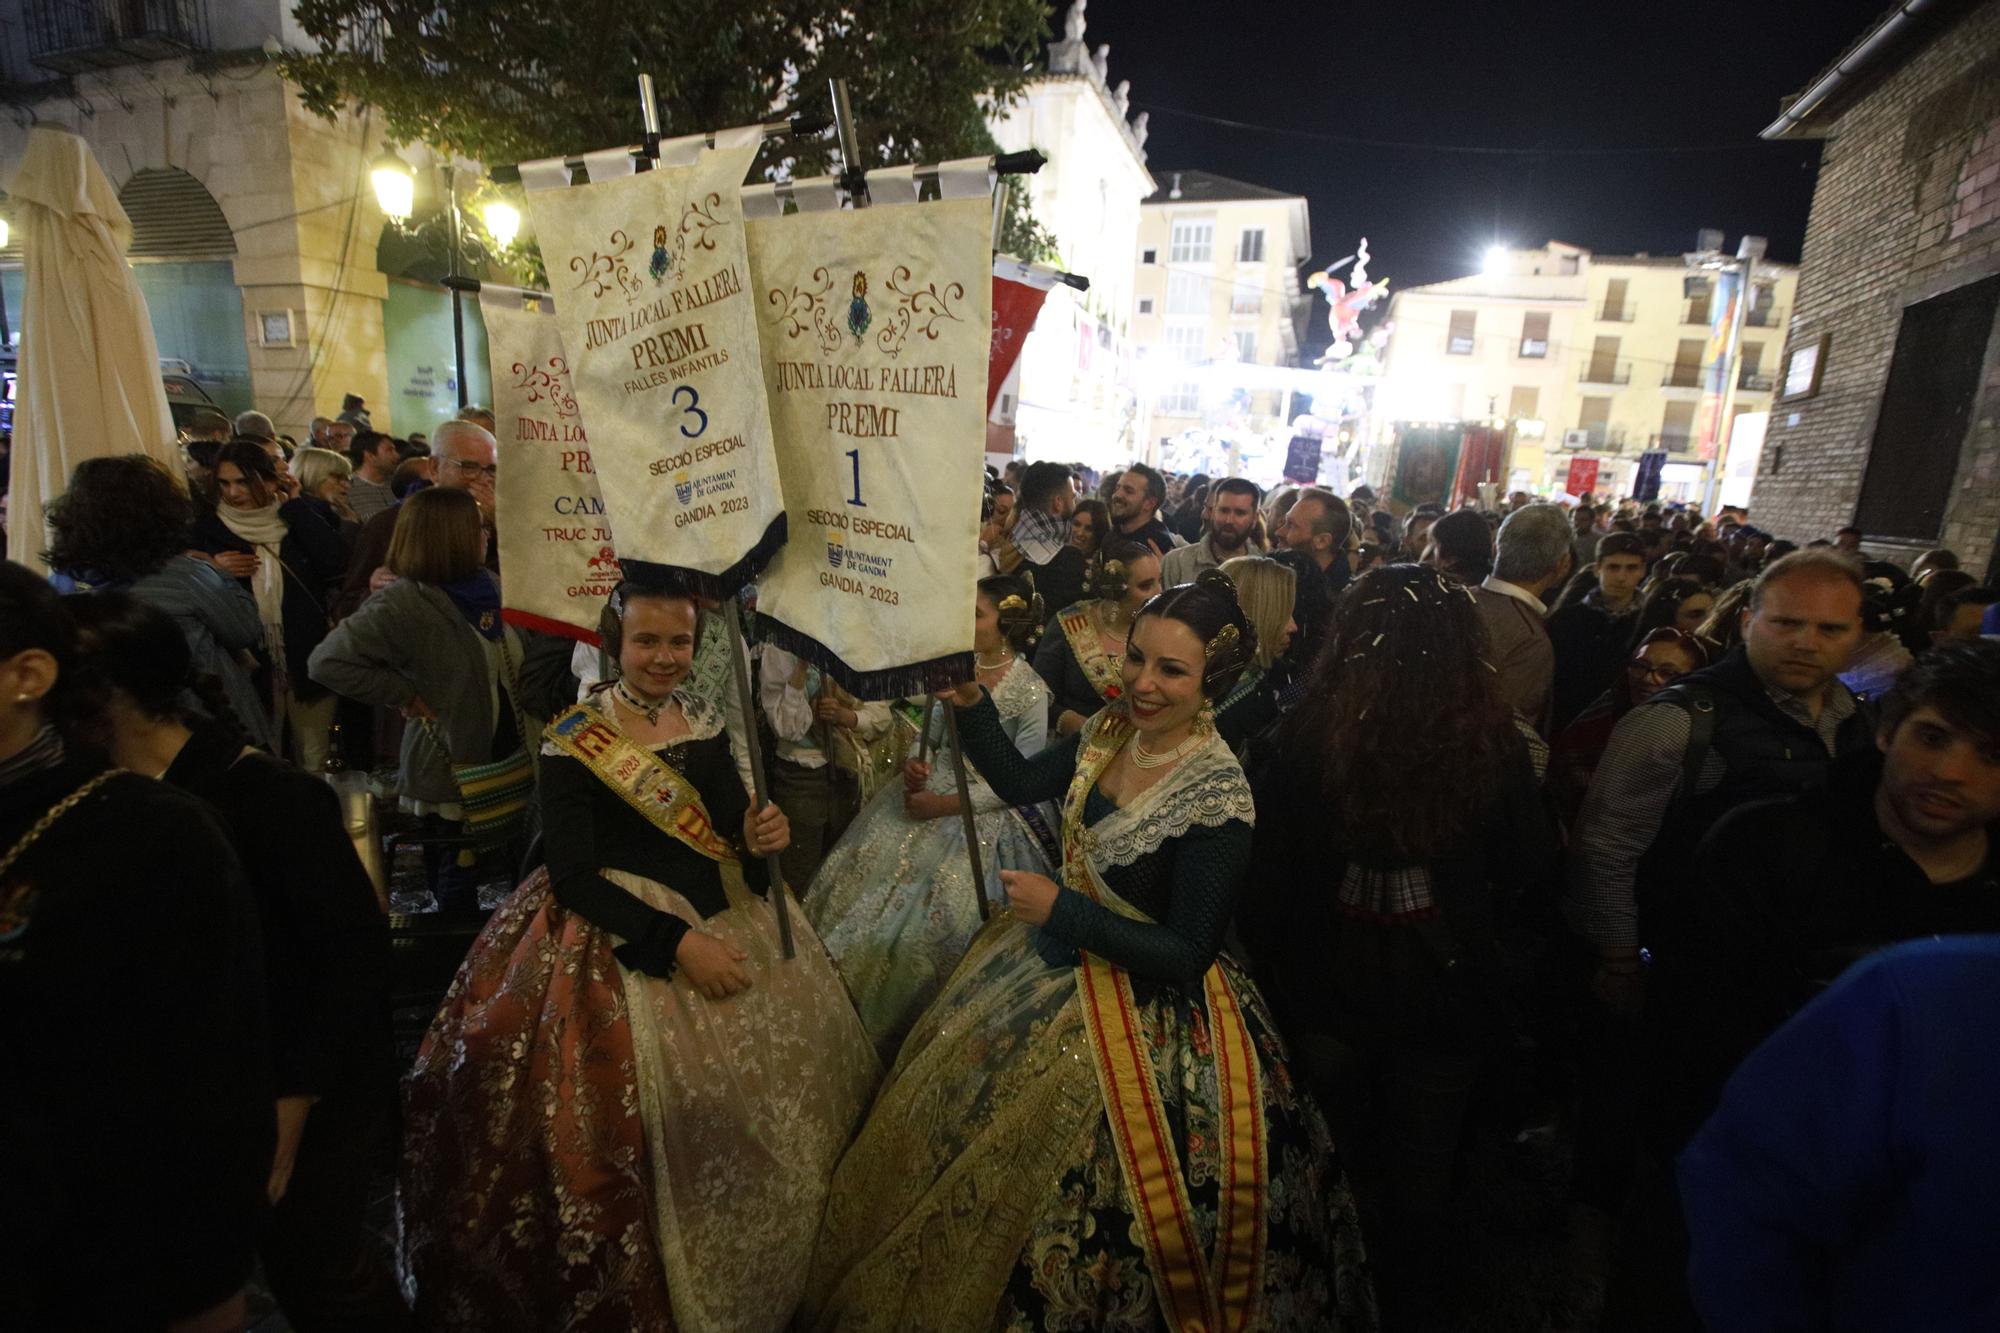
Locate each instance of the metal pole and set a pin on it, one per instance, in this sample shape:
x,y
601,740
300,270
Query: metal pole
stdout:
x,y
971,824
739,657
457,302
853,178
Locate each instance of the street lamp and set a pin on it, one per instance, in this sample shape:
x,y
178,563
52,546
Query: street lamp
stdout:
x,y
503,221
395,187
1495,265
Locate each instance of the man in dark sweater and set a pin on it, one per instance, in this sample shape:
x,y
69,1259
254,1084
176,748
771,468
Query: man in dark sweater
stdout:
x,y
1135,508
1787,894
1591,636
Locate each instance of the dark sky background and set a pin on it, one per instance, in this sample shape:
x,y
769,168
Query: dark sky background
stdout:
x,y
1488,74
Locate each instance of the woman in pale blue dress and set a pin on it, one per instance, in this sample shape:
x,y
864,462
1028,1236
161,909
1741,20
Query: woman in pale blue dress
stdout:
x,y
894,901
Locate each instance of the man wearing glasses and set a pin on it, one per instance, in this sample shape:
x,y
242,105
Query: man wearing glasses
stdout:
x,y
466,459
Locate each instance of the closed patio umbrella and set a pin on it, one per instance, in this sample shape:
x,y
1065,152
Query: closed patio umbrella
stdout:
x,y
89,370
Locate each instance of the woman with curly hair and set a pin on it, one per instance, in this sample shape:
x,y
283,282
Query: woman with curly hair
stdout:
x,y
1398,795
894,901
1080,655
123,526
1094,1127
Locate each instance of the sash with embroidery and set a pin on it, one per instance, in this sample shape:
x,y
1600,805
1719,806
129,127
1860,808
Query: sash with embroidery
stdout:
x,y
641,778
1199,1293
1100,668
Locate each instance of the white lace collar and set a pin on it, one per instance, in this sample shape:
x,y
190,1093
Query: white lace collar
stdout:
x,y
1020,690
1206,788
703,718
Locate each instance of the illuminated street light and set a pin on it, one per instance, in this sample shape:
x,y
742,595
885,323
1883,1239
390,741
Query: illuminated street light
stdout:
x,y
503,221
1497,261
395,187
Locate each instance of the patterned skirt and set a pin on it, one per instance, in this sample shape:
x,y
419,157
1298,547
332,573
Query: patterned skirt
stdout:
x,y
896,906
986,1191
591,1148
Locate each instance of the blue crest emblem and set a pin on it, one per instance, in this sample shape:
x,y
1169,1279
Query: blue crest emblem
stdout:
x,y
833,552
683,488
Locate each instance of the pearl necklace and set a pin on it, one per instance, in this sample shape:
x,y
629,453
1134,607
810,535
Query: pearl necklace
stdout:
x,y
651,712
1006,659
1143,758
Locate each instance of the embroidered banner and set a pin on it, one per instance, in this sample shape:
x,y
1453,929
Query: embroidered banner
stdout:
x,y
557,563
652,292
876,327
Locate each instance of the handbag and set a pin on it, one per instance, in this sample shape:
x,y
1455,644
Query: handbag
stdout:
x,y
495,795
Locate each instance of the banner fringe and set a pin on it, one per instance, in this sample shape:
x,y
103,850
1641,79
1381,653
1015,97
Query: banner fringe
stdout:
x,y
720,586
924,678
560,628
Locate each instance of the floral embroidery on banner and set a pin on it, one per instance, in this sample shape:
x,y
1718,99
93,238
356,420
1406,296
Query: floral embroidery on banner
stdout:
x,y
606,269
549,382
918,309
802,308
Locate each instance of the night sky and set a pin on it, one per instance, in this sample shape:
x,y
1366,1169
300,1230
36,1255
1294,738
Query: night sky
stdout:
x,y
1543,77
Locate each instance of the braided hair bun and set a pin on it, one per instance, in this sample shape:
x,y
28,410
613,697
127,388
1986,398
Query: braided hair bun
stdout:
x,y
1209,607
1019,607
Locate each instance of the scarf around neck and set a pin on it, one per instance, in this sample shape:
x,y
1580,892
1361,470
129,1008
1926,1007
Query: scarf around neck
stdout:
x,y
265,531
477,598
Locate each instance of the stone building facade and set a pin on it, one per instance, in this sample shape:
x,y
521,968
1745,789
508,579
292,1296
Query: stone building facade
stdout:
x,y
1888,403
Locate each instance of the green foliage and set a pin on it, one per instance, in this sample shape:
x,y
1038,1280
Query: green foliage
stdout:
x,y
508,80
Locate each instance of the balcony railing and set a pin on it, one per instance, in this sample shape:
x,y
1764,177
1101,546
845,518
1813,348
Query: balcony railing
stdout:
x,y
1673,442
1605,372
72,36
1769,317
1754,380
1696,312
1620,314
1681,377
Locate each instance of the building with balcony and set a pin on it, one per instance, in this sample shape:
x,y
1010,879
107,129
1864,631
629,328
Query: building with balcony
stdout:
x,y
256,238
1071,396
1216,289
1584,355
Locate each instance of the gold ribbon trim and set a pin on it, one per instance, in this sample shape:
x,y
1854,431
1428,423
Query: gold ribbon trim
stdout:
x,y
1100,668
1198,1293
647,784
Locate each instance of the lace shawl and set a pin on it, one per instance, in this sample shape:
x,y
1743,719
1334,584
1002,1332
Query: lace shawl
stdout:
x,y
704,719
1206,788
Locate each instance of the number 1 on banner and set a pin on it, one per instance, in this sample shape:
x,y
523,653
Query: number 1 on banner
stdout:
x,y
855,455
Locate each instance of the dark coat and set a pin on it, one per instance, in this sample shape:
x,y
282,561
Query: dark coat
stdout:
x,y
314,559
135,1090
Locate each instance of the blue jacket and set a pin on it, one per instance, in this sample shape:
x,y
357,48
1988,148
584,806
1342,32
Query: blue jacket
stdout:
x,y
1850,1179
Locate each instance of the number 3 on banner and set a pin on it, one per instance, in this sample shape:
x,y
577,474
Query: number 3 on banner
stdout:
x,y
689,408
855,456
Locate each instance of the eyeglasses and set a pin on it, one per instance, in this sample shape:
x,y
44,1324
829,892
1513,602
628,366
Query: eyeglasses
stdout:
x,y
1653,673
471,469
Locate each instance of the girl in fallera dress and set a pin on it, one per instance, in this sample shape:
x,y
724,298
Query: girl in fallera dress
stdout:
x,y
895,901
1078,658
1094,1127
627,1111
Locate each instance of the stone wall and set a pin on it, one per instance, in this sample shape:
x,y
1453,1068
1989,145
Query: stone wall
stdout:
x,y
1907,207
295,191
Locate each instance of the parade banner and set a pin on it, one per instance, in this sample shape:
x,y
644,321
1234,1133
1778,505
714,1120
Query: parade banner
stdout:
x,y
1018,292
876,327
557,563
651,282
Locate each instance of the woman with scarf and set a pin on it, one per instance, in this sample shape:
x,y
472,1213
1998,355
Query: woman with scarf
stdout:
x,y
1093,1126
1398,795
432,645
1078,660
290,559
895,901
625,1116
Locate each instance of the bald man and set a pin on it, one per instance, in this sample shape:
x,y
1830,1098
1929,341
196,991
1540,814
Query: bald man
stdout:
x,y
466,460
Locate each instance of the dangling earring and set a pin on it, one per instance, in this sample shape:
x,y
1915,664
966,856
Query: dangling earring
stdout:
x,y
1204,718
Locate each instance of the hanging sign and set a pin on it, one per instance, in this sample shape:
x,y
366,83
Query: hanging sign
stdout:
x,y
1582,477
557,564
876,331
652,288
